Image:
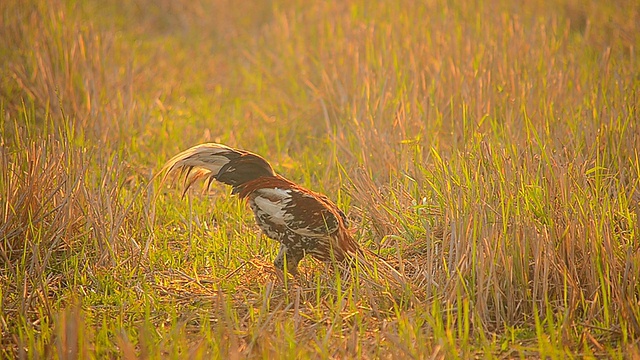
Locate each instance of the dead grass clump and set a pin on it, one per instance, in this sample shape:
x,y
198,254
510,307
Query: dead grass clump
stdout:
x,y
60,224
61,63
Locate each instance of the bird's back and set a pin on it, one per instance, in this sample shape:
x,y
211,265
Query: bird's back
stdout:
x,y
298,217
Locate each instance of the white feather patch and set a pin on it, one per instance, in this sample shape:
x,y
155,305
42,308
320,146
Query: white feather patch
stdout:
x,y
275,194
273,203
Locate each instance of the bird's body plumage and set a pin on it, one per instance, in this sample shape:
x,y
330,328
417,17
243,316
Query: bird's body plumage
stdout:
x,y
302,221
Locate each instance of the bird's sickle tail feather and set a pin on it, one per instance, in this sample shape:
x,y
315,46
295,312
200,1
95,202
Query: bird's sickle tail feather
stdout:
x,y
198,162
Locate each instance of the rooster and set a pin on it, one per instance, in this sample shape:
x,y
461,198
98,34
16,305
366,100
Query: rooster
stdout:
x,y
302,221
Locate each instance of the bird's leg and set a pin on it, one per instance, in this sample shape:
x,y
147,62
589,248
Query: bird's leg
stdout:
x,y
291,257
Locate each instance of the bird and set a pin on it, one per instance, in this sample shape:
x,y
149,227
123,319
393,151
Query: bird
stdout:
x,y
303,221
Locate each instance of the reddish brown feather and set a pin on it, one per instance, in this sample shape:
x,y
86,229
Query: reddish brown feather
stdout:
x,y
314,203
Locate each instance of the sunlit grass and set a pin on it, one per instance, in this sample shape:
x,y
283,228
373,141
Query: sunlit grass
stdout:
x,y
487,150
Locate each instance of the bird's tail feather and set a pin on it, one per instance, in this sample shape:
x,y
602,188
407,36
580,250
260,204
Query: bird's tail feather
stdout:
x,y
198,162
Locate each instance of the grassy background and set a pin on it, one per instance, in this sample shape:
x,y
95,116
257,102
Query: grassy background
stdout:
x,y
489,149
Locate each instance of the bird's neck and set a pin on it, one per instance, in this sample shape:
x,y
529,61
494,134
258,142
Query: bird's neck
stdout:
x,y
245,189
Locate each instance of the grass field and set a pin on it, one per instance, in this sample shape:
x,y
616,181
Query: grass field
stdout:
x,y
487,149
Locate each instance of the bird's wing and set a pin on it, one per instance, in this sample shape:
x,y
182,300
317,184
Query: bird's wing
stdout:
x,y
325,199
299,211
